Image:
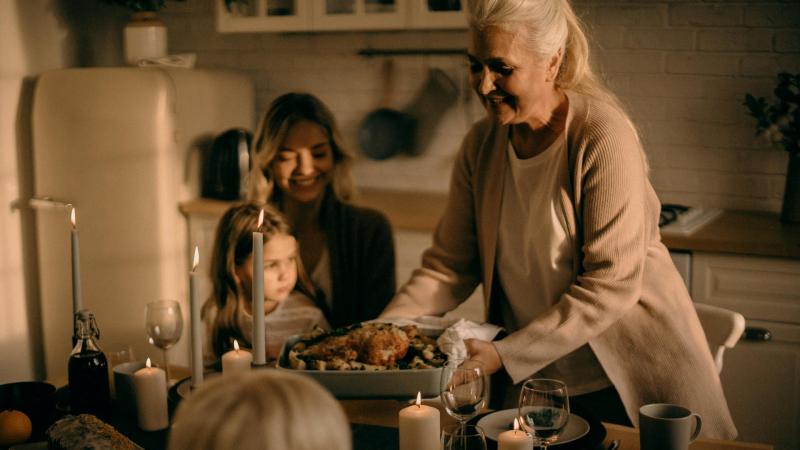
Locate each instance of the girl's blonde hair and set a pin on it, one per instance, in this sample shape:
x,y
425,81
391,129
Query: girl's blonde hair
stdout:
x,y
264,410
233,244
284,112
547,26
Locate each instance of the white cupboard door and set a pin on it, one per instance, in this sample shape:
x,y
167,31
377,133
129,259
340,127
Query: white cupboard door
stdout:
x,y
439,14
263,15
762,384
761,377
329,15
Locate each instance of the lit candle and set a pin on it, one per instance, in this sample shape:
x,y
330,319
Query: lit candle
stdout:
x,y
514,439
419,427
259,337
150,384
77,302
236,360
194,306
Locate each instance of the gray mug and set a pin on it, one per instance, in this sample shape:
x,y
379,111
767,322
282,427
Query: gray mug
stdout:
x,y
667,427
123,379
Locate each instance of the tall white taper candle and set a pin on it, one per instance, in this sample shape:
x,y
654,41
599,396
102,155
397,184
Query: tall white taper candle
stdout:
x,y
194,306
77,301
259,337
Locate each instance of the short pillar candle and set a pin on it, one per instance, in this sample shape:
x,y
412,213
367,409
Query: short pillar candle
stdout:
x,y
514,439
236,360
419,427
150,385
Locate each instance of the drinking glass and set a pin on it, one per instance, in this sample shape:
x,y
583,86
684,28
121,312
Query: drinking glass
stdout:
x,y
544,409
164,323
116,353
466,437
464,389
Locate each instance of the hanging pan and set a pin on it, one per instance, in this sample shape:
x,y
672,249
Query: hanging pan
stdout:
x,y
386,132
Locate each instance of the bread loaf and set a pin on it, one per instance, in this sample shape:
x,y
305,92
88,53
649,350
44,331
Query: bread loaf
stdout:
x,y
86,431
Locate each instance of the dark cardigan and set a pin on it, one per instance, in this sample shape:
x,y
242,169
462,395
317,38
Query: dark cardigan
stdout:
x,y
362,261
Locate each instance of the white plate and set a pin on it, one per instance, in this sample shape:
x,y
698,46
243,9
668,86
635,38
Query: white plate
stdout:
x,y
495,423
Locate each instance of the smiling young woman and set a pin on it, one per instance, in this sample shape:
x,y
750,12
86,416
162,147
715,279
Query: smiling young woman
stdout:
x,y
303,168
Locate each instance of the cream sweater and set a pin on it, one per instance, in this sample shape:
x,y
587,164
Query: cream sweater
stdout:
x,y
627,302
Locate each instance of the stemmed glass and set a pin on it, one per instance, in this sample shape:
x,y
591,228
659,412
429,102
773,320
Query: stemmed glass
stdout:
x,y
544,409
164,323
464,390
466,437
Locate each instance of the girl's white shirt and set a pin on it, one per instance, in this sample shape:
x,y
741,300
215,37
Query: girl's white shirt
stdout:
x,y
296,314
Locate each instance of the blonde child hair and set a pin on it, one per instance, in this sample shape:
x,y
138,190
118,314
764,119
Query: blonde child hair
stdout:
x,y
224,310
264,410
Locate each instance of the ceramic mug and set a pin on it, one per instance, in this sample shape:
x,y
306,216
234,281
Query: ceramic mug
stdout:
x,y
123,379
663,426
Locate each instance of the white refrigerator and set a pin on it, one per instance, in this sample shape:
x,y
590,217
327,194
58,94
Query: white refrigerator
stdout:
x,y
122,145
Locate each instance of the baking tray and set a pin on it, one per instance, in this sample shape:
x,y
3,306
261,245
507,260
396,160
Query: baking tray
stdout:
x,y
401,384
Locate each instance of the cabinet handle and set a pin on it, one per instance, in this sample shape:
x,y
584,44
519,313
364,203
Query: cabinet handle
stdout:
x,y
757,334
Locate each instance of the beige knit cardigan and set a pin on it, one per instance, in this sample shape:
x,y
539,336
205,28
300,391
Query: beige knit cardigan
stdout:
x,y
627,301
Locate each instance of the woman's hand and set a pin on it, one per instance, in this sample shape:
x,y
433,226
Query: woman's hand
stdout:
x,y
484,353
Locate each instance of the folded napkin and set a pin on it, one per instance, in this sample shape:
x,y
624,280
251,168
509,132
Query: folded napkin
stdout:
x,y
184,60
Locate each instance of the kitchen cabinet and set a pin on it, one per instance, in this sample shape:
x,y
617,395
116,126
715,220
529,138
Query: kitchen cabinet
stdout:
x,y
234,16
761,377
436,14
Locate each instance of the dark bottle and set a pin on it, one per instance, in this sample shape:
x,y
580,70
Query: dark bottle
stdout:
x,y
88,370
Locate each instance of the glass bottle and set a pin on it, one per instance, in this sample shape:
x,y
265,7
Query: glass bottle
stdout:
x,y
88,370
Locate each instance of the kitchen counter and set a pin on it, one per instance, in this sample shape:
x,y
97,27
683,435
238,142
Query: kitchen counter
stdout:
x,y
745,233
735,232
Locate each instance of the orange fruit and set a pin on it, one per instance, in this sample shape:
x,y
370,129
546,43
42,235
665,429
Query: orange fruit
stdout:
x,y
15,427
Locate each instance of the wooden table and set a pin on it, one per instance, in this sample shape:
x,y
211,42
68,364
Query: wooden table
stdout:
x,y
384,413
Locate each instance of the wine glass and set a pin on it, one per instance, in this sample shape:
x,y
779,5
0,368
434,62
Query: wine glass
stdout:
x,y
164,323
464,389
544,409
467,437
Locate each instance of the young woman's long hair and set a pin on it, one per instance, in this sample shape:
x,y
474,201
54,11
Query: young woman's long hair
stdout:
x,y
284,112
233,244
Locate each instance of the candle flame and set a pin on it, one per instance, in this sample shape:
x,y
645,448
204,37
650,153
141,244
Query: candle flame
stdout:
x,y
236,345
260,218
148,364
419,399
151,341
196,259
72,218
516,424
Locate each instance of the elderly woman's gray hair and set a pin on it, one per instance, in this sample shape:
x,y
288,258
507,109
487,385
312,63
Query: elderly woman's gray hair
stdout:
x,y
547,27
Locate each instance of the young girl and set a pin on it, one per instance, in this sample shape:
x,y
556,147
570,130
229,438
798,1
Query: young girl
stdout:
x,y
288,303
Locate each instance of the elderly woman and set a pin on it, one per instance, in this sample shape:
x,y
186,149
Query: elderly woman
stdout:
x,y
303,167
551,210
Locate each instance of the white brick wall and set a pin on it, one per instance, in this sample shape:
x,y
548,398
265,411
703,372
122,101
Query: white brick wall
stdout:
x,y
682,67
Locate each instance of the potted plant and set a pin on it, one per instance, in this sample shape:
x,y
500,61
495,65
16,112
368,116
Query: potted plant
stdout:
x,y
145,36
780,123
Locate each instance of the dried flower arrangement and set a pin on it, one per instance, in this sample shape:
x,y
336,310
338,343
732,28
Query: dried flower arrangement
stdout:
x,y
780,121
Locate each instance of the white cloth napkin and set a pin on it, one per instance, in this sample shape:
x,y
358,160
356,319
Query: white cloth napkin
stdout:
x,y
451,341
